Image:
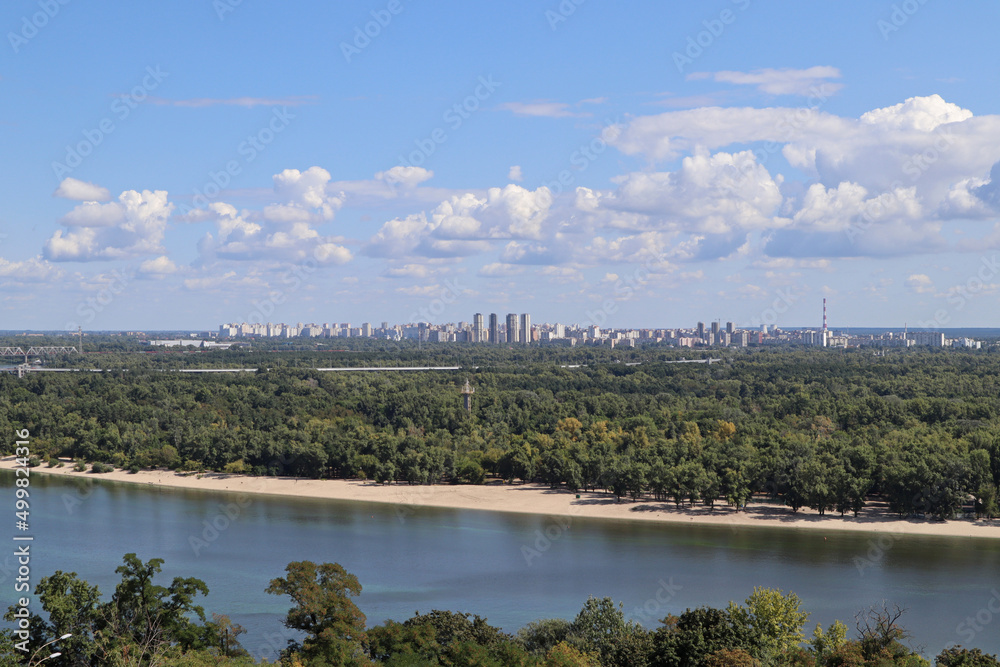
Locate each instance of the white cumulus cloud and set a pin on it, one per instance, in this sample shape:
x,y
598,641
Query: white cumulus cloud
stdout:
x,y
161,266
72,188
131,227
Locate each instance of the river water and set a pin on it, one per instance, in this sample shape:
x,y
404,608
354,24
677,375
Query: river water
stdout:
x,y
509,568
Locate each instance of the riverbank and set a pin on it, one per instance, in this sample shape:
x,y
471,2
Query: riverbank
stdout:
x,y
536,499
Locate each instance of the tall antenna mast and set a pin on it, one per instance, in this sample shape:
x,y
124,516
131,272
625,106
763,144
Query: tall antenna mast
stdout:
x,y
824,315
468,390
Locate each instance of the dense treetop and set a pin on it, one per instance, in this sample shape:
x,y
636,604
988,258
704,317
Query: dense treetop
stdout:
x,y
820,428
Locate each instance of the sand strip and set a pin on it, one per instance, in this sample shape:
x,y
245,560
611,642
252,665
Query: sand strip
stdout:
x,y
538,499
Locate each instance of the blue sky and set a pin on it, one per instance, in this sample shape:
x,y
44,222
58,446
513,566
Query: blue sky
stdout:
x,y
185,164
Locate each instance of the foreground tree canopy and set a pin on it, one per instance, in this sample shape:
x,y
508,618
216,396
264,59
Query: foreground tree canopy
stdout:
x,y
826,429
145,624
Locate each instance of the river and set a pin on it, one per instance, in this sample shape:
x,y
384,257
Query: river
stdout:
x,y
509,568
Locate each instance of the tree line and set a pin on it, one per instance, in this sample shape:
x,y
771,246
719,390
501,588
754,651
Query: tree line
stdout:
x,y
829,430
146,624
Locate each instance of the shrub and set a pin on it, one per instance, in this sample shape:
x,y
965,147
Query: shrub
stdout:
x,y
236,468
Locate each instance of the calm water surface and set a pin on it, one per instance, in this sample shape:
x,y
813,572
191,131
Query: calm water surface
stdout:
x,y
498,565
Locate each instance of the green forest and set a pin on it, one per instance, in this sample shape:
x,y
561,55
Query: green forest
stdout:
x,y
832,430
147,624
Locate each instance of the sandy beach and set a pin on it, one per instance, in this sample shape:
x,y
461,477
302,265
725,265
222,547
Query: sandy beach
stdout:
x,y
537,499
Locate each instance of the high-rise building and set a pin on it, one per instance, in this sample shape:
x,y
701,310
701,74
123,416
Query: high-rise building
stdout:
x,y
729,328
494,329
511,327
478,330
715,330
933,338
701,330
526,328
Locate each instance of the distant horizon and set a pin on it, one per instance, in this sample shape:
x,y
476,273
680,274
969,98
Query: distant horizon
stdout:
x,y
197,330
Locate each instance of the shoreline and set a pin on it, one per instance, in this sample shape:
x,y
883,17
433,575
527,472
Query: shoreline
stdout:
x,y
537,499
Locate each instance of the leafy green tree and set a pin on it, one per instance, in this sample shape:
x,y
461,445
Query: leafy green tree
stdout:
x,y
468,471
987,505
444,638
9,655
144,614
735,488
957,656
398,643
565,655
824,644
689,639
141,623
601,627
731,658
539,637
324,610
773,619
450,627
819,477
73,607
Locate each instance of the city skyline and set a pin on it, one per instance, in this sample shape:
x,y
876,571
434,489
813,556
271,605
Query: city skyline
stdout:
x,y
519,330
158,185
